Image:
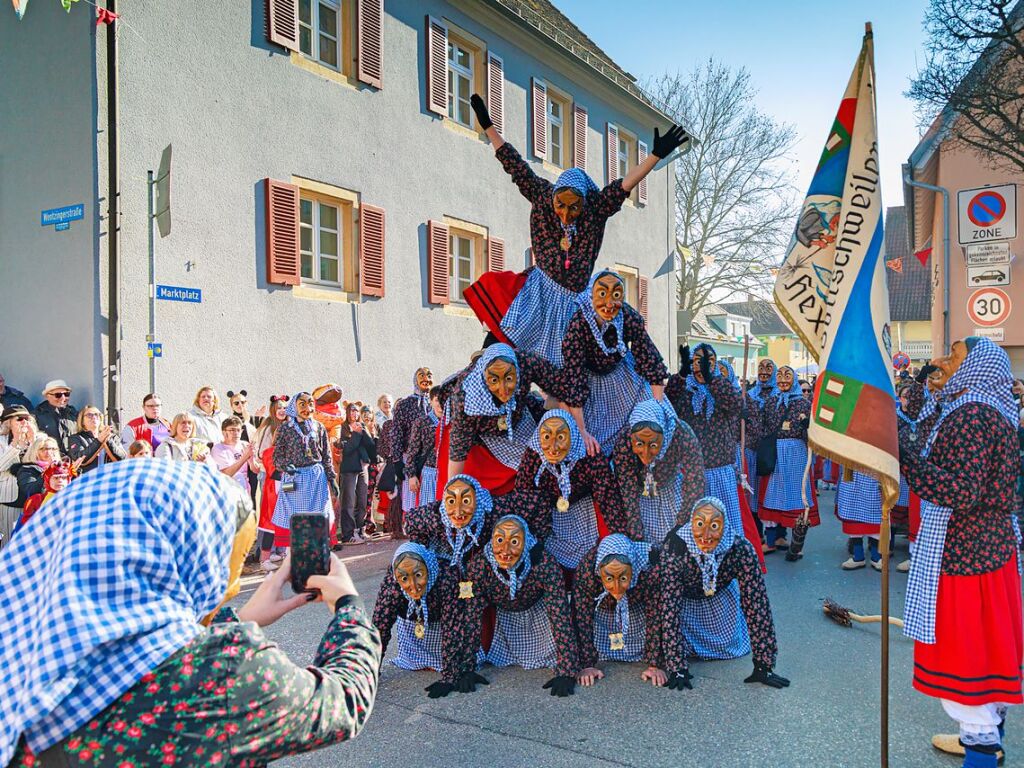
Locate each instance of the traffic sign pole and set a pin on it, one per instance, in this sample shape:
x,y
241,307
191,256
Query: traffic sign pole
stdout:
x,y
152,278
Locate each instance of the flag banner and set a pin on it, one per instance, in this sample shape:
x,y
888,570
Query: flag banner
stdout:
x,y
896,265
924,254
831,288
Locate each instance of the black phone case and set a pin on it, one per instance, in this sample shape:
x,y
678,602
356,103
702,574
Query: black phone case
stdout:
x,y
311,549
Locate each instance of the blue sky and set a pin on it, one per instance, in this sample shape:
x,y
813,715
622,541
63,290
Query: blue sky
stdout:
x,y
799,54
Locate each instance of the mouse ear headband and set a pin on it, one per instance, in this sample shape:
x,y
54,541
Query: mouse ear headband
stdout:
x,y
241,392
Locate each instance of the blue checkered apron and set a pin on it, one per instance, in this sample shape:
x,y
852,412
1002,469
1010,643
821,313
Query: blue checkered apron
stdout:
x,y
573,532
414,653
428,485
523,639
783,491
408,497
538,316
714,627
612,398
859,501
510,452
925,569
604,624
904,499
310,495
658,513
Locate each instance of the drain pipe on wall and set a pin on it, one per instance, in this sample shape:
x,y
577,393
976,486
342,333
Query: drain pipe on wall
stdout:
x,y
113,230
945,251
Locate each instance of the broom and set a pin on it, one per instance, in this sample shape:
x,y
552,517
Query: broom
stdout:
x,y
844,617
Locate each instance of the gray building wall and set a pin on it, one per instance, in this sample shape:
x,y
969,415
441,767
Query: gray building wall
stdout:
x,y
236,111
49,280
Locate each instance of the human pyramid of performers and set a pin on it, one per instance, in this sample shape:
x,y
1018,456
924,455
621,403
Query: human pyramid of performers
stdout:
x,y
603,523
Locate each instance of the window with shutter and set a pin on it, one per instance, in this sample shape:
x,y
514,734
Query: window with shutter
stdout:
x,y
641,189
495,255
579,130
437,66
282,218
437,262
540,119
283,23
612,137
642,290
371,250
370,42
496,91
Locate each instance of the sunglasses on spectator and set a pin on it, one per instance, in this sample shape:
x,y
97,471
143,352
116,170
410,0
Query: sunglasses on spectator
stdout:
x,y
239,402
21,418
152,405
61,394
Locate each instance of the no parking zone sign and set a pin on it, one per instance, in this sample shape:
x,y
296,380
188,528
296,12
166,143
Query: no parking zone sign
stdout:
x,y
987,213
989,307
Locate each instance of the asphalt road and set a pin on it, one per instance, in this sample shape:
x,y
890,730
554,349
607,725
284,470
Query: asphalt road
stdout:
x,y
828,717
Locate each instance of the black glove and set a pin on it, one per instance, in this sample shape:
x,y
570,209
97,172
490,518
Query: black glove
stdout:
x,y
482,115
561,685
926,370
765,676
439,690
468,682
680,680
705,367
684,360
663,145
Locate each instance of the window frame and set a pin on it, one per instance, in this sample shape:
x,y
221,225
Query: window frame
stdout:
x,y
455,288
477,49
478,237
566,139
340,18
631,277
631,157
470,74
346,203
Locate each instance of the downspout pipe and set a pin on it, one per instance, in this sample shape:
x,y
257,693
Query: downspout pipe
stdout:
x,y
113,228
945,250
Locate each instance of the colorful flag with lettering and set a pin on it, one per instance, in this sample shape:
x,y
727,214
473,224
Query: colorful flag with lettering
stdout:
x,y
831,288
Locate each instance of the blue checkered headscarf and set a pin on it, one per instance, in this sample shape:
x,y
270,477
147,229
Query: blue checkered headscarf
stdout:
x,y
478,398
708,562
637,554
418,609
731,375
577,450
461,539
597,326
700,394
422,397
771,389
577,180
517,576
107,581
659,412
785,398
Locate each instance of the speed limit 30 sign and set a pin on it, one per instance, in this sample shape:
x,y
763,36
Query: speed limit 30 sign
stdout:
x,y
989,307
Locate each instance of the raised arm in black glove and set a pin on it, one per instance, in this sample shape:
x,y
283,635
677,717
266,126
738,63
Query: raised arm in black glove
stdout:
x,y
482,115
926,370
705,368
684,360
765,676
561,685
663,145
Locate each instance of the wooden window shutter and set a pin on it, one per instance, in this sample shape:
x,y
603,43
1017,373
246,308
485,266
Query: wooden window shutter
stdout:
x,y
579,133
496,91
613,152
283,23
370,42
437,66
282,216
642,285
641,188
437,262
371,250
540,119
495,254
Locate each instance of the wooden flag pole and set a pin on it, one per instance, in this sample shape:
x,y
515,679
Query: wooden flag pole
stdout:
x,y
884,552
743,421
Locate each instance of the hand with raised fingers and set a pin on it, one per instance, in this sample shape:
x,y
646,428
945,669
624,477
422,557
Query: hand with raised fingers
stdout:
x,y
561,685
480,109
664,145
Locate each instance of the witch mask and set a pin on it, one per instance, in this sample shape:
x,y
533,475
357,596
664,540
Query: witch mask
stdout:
x,y
616,575
460,503
947,365
708,525
424,379
607,296
501,379
764,371
412,576
568,205
785,378
507,542
699,355
646,440
555,440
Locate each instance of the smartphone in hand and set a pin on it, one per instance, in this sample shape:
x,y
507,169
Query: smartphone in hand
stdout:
x,y
311,549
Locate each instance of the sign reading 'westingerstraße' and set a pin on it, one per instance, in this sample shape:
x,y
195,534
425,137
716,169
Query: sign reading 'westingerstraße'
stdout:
x,y
62,215
177,293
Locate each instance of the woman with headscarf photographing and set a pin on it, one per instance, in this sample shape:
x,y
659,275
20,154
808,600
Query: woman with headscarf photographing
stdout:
x,y
105,660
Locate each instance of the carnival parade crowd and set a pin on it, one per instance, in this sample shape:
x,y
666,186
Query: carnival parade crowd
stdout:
x,y
564,501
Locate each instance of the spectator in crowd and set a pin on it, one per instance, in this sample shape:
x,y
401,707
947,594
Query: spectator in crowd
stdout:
x,y
207,414
383,412
271,478
367,416
95,443
186,690
1018,392
55,479
140,449
17,432
11,396
56,417
43,452
233,455
150,426
358,451
805,388
239,402
182,445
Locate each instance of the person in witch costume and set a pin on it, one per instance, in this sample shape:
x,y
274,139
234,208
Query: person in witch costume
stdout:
x,y
567,219
859,508
420,458
406,412
413,597
534,623
616,603
457,525
758,397
787,416
569,499
659,467
915,424
489,407
709,402
610,362
697,559
963,605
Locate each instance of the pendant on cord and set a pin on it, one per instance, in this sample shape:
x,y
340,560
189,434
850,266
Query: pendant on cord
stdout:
x,y
562,505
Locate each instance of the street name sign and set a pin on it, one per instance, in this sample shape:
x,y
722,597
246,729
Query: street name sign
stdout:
x,y
62,216
177,293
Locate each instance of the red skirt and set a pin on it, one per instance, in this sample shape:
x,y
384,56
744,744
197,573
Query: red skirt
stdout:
x,y
480,463
268,500
785,517
491,296
914,515
979,633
